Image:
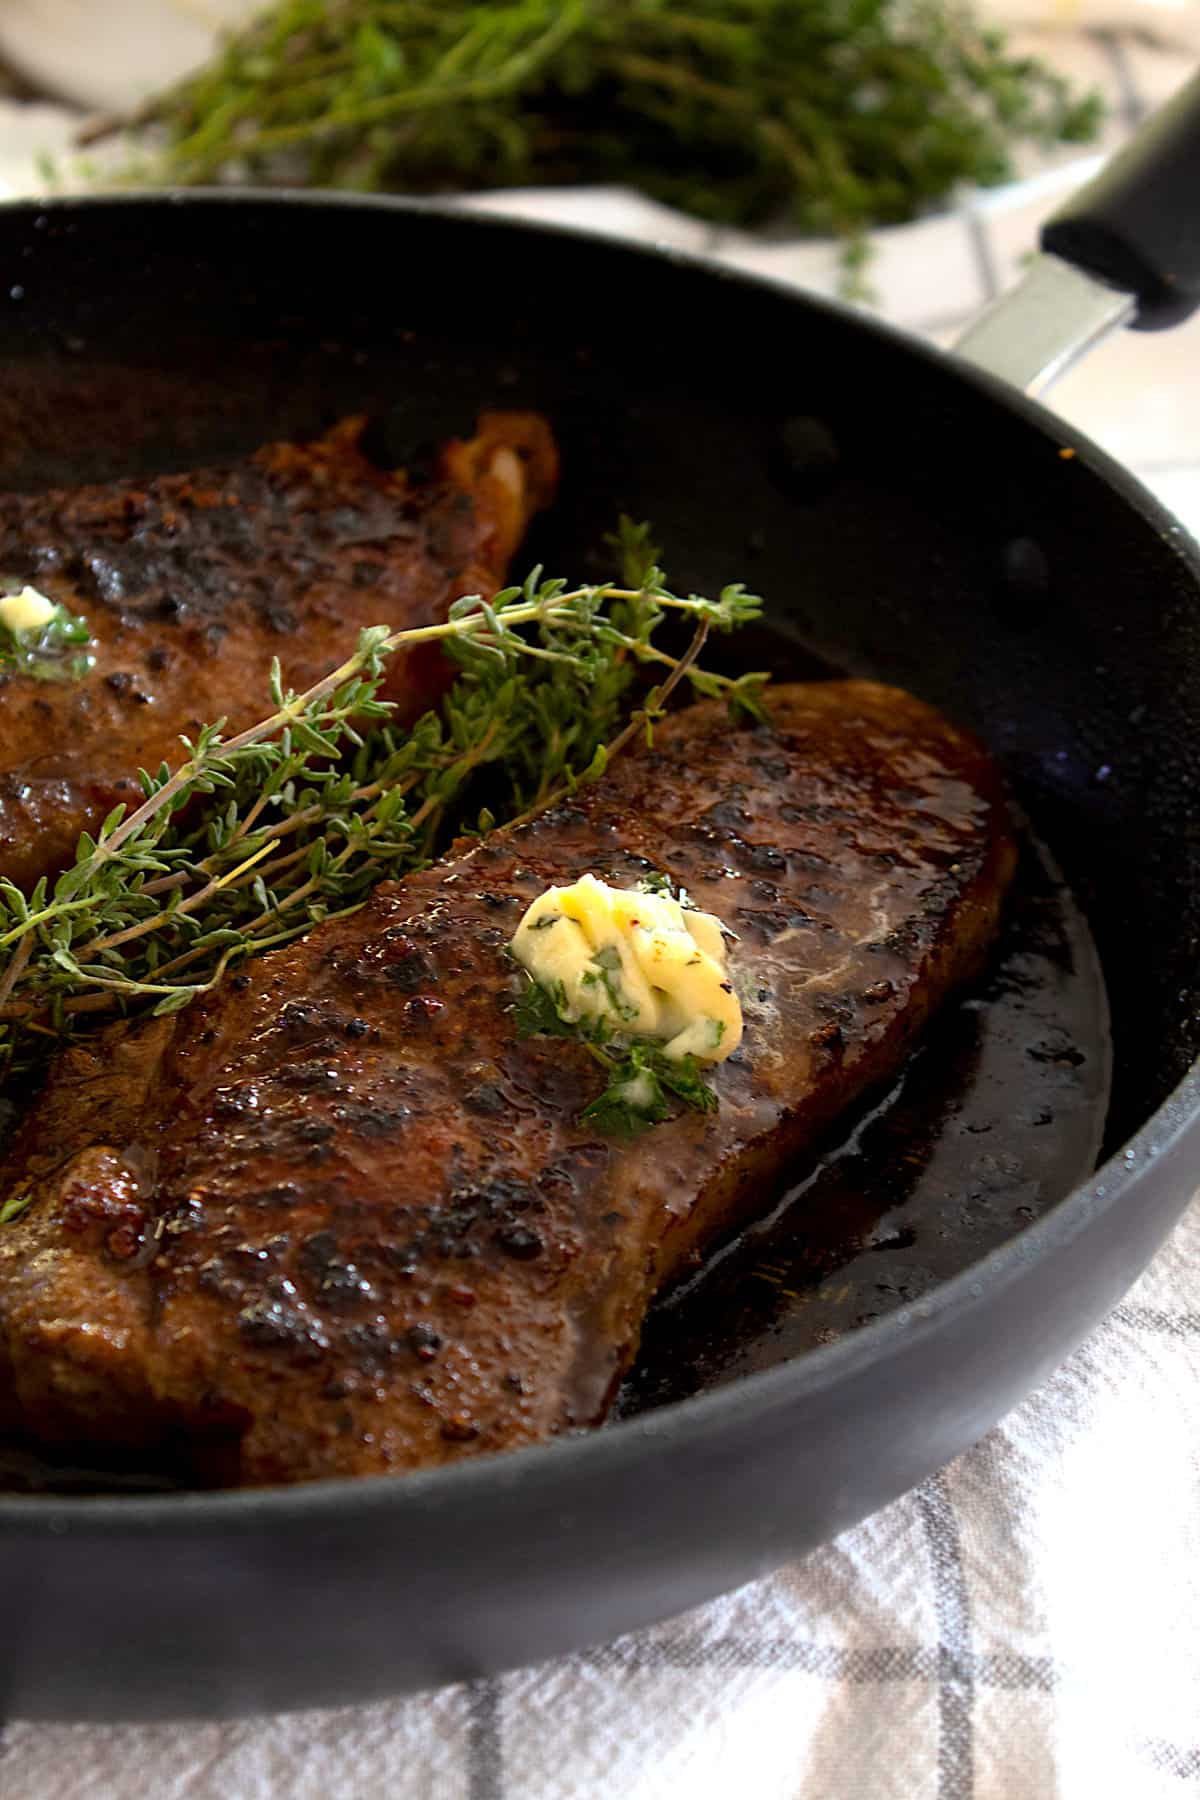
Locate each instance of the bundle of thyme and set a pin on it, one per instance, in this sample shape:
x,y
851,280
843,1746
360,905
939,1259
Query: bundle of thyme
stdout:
x,y
255,837
826,115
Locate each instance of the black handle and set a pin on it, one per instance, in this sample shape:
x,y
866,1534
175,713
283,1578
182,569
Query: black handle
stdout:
x,y
1138,224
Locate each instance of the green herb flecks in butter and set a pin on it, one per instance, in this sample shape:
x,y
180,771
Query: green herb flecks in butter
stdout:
x,y
637,961
642,980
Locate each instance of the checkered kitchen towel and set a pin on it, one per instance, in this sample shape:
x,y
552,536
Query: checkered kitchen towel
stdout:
x,y
1025,1626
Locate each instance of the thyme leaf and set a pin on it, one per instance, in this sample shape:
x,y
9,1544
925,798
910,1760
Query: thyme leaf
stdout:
x,y
15,1205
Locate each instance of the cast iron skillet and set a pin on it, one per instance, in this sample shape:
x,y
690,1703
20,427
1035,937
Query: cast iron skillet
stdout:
x,y
945,543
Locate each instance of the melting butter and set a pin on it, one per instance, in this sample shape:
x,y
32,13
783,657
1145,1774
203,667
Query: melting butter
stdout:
x,y
26,611
639,963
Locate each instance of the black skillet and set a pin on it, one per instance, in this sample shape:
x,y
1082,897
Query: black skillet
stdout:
x,y
908,517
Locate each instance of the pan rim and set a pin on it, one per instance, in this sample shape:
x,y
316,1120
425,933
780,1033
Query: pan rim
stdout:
x,y
618,1449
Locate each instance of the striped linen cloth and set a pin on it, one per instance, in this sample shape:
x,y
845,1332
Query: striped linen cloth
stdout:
x,y
1026,1625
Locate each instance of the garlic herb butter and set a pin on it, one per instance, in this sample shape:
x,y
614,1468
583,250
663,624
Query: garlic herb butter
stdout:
x,y
633,964
26,611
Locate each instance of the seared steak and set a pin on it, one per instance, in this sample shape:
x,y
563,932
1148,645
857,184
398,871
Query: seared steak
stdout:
x,y
192,583
339,1219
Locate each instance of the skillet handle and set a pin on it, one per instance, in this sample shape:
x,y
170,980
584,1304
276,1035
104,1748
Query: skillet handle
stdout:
x,y
1137,225
1125,250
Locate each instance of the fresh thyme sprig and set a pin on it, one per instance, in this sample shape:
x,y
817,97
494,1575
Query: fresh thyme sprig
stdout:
x,y
255,837
642,1083
831,116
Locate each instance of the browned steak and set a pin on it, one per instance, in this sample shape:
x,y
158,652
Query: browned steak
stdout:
x,y
338,1219
192,583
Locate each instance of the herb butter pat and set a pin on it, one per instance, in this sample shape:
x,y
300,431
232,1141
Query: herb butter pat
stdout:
x,y
633,963
26,611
